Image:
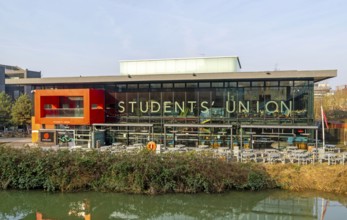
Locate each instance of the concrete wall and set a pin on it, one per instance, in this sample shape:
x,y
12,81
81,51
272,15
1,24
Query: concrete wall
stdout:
x,y
14,91
30,74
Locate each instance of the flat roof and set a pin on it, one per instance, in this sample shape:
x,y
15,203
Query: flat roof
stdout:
x,y
316,75
180,58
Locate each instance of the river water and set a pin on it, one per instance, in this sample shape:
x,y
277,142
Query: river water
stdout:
x,y
267,205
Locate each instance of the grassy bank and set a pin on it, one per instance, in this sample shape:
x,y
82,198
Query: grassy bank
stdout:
x,y
135,173
321,177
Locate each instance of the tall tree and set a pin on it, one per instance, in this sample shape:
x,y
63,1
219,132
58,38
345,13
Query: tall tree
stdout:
x,y
21,111
335,105
5,109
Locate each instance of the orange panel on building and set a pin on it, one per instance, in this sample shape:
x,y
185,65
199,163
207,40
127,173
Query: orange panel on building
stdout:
x,y
69,106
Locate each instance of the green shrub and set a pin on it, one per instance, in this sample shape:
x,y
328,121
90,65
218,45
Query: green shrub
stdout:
x,y
144,172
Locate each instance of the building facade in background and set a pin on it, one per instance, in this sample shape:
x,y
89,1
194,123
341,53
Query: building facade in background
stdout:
x,y
15,72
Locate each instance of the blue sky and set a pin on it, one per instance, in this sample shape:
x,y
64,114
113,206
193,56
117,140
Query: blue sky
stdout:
x,y
85,37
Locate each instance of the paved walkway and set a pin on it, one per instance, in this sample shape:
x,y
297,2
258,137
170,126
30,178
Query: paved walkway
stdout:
x,y
15,142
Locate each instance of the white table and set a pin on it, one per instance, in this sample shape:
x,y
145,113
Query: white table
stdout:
x,y
271,151
138,145
272,157
247,156
344,157
203,146
330,157
117,144
291,148
180,145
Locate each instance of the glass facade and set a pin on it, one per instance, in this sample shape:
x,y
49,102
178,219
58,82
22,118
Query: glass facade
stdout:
x,y
228,102
63,106
257,102
252,102
273,102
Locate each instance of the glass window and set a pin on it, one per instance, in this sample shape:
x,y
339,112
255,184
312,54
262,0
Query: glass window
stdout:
x,y
204,84
167,103
191,97
258,84
156,85
110,87
180,107
301,101
204,106
300,83
286,83
271,83
117,111
155,104
251,93
217,84
218,103
244,84
167,85
16,94
144,104
143,85
132,105
47,106
132,86
71,102
232,84
179,85
192,85
64,106
121,87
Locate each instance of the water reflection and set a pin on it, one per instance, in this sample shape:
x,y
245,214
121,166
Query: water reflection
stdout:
x,y
235,205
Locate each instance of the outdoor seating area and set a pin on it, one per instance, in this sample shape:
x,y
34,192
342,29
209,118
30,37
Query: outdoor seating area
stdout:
x,y
331,154
119,147
292,154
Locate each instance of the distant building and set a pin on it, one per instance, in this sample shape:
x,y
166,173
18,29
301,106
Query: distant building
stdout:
x,y
340,88
2,78
341,92
320,90
15,72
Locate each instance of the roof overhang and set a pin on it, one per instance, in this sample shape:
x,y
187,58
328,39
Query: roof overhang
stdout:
x,y
315,75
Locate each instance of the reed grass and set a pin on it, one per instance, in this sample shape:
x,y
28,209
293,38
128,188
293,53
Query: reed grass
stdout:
x,y
321,177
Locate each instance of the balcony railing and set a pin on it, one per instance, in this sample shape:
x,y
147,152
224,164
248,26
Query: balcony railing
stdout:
x,y
64,113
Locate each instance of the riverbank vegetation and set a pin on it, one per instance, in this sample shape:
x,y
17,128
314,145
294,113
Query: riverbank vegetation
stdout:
x,y
321,177
144,172
148,173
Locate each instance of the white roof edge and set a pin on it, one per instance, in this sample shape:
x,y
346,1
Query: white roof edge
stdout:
x,y
185,58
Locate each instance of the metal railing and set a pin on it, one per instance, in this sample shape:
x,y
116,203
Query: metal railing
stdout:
x,y
63,112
